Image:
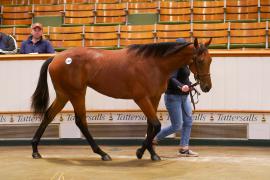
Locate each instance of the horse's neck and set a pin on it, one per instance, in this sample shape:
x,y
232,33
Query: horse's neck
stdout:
x,y
174,62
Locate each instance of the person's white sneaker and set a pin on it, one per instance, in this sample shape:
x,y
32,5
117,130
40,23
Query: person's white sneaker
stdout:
x,y
187,153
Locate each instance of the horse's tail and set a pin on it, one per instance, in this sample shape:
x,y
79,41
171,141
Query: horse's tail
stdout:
x,y
40,98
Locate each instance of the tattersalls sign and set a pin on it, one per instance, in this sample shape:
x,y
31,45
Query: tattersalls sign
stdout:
x,y
137,116
229,117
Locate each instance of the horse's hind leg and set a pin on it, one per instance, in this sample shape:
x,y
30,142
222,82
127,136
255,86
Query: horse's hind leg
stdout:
x,y
49,115
78,103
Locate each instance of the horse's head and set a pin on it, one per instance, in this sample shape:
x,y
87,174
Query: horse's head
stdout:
x,y
200,65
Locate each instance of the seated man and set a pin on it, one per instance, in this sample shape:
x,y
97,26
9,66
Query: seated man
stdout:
x,y
8,44
35,43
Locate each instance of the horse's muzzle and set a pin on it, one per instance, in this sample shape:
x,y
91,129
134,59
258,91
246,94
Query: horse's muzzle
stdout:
x,y
206,88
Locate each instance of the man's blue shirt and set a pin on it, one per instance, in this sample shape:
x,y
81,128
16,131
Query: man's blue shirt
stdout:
x,y
42,46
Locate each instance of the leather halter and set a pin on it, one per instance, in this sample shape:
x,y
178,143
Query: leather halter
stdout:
x,y
197,75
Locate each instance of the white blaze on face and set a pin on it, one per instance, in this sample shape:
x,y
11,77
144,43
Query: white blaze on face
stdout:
x,y
68,60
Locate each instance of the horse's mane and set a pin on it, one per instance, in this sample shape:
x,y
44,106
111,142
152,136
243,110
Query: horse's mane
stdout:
x,y
157,49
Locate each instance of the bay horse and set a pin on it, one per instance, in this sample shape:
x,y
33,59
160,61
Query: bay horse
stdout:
x,y
138,72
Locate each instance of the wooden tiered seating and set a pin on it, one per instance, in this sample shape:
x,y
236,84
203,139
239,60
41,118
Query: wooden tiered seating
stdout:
x,y
48,10
264,10
87,1
42,2
79,14
106,1
16,15
101,36
146,7
15,2
244,35
136,34
174,18
136,1
22,34
268,35
170,32
111,13
75,1
208,11
241,10
171,11
8,30
66,37
218,31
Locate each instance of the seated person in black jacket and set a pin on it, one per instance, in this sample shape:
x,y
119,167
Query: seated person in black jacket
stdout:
x,y
8,44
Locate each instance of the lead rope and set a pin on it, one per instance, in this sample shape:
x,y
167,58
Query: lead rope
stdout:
x,y
194,92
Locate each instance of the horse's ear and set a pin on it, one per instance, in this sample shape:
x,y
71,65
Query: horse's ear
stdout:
x,y
208,43
196,44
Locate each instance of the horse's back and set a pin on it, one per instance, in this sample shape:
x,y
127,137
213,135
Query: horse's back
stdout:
x,y
81,67
79,57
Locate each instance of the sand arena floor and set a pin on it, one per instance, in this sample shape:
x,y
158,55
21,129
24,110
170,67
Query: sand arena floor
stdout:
x,y
79,163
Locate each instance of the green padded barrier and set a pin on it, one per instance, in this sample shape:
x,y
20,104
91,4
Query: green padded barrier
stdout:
x,y
265,20
71,25
234,46
142,19
6,26
218,46
242,21
49,20
108,24
173,22
99,24
207,22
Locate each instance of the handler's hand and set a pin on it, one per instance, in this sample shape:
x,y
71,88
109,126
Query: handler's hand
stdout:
x,y
185,88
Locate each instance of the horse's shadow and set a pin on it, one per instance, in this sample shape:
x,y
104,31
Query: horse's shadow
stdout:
x,y
98,162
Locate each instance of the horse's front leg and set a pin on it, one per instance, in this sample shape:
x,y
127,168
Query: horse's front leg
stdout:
x,y
82,124
80,120
152,129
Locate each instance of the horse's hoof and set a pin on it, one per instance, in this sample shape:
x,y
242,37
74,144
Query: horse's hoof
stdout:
x,y
139,153
155,157
106,157
36,155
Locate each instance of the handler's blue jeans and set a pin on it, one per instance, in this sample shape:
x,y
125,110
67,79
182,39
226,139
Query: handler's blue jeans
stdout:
x,y
180,112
